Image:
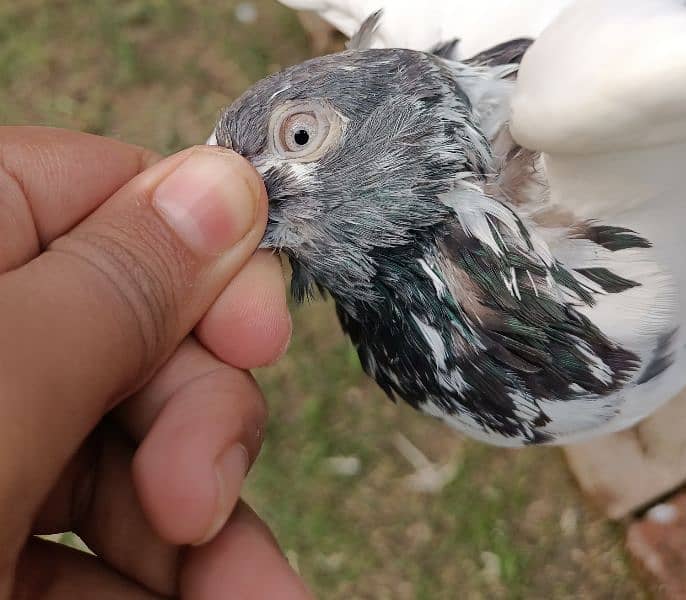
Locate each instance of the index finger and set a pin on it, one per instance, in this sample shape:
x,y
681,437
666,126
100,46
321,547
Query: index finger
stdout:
x,y
50,179
243,561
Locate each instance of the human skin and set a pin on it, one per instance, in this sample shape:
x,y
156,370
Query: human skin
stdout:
x,y
132,304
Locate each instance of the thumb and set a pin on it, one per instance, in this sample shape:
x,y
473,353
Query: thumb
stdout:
x,y
149,263
89,320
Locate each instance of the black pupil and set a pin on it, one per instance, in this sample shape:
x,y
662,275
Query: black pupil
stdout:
x,y
301,137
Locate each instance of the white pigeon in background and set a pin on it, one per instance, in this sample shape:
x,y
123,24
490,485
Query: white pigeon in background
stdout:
x,y
601,95
420,25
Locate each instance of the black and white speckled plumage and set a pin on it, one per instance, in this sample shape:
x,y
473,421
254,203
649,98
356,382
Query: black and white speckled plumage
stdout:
x,y
429,227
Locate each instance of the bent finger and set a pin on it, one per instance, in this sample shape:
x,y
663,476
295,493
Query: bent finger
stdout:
x,y
243,561
50,179
249,325
52,571
95,498
191,465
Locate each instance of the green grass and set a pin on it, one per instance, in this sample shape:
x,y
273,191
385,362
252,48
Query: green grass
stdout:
x,y
509,525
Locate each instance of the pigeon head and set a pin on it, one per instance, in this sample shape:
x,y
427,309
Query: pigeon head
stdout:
x,y
354,149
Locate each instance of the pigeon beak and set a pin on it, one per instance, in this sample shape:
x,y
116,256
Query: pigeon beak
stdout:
x,y
212,140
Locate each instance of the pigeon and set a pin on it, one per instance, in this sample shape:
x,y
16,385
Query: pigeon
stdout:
x,y
444,209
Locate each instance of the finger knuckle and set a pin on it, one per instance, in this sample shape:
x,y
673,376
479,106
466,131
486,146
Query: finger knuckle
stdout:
x,y
261,408
135,270
253,396
248,407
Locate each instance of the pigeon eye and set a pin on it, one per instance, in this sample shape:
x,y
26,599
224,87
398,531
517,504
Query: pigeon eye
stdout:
x,y
301,137
300,130
304,130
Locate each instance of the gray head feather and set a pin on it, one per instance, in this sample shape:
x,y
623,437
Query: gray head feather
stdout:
x,y
407,131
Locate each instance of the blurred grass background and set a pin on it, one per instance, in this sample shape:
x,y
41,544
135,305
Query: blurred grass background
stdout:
x,y
335,480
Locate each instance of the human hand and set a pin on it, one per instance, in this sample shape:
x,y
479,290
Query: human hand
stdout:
x,y
105,268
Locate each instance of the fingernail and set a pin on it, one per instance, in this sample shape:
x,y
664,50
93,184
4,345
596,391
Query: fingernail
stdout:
x,y
231,468
208,201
